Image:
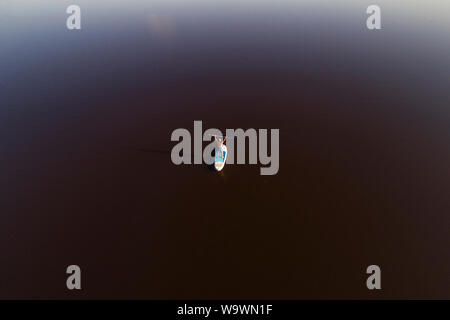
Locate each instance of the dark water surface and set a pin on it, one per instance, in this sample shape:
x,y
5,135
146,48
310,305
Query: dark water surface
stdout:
x,y
86,176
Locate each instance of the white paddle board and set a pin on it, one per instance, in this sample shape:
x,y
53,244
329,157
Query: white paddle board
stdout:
x,y
220,157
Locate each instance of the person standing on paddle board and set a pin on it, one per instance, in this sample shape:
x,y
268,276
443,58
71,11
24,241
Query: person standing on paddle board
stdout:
x,y
221,154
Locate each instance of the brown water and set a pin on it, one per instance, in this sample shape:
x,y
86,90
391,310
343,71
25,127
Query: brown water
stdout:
x,y
86,175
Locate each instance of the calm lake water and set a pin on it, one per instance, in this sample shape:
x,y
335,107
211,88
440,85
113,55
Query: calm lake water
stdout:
x,y
85,170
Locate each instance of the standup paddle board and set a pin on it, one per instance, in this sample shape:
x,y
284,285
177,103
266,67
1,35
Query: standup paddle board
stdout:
x,y
221,157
